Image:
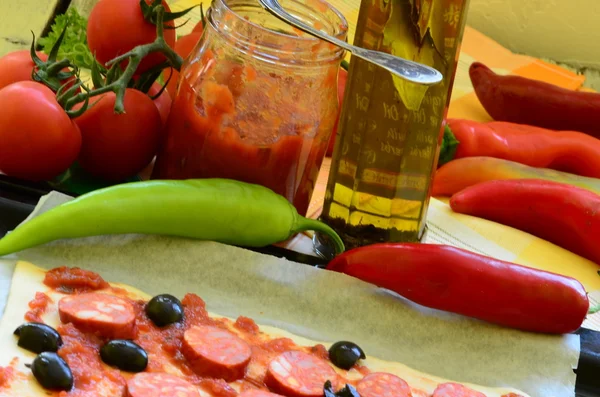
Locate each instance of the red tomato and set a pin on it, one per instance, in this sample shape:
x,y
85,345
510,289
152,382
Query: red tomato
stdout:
x,y
186,44
184,47
117,26
199,28
38,140
163,102
342,78
17,66
118,146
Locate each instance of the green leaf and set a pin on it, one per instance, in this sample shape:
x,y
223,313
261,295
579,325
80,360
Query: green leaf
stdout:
x,y
74,43
150,15
171,16
113,73
146,80
53,54
594,309
160,92
202,18
98,72
148,8
449,146
36,59
177,27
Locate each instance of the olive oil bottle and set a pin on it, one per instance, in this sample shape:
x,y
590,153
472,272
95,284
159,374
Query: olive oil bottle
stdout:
x,y
390,130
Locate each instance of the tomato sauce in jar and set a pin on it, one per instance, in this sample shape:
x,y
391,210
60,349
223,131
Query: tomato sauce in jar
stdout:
x,y
256,101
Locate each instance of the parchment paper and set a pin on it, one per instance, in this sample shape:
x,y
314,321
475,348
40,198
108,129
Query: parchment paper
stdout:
x,y
318,304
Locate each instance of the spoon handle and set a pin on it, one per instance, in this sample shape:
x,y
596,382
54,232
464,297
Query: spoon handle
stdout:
x,y
408,70
403,68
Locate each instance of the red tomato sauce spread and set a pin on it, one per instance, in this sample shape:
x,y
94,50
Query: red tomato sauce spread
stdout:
x,y
246,324
217,387
6,376
80,351
163,345
168,347
74,280
245,124
38,306
320,351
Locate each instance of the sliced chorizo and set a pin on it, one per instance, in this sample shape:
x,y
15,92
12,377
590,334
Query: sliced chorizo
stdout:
x,y
381,384
216,353
98,313
257,393
299,374
455,390
157,384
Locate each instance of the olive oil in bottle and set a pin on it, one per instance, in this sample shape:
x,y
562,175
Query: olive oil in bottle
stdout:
x,y
390,130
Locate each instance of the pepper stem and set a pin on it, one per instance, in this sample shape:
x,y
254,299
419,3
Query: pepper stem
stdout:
x,y
594,309
303,223
449,147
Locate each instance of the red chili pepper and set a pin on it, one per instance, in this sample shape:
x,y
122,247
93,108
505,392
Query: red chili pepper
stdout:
x,y
565,215
525,101
451,279
567,151
462,173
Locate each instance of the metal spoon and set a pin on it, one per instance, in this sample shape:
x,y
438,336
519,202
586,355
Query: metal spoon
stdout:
x,y
408,70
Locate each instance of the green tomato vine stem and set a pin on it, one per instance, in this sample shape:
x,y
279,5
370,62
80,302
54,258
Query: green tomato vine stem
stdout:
x,y
58,66
134,57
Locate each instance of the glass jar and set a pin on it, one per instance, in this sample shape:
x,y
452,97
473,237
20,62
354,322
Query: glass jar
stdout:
x,y
256,100
390,130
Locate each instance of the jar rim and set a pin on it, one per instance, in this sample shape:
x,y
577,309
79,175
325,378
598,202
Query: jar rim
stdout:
x,y
298,44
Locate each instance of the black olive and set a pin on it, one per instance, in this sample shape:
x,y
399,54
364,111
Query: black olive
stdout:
x,y
346,391
328,389
164,309
38,338
345,354
125,355
52,372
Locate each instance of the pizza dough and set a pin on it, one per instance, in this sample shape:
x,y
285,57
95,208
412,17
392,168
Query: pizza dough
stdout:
x,y
28,279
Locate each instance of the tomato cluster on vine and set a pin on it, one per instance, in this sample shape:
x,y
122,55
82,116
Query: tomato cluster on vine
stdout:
x,y
111,126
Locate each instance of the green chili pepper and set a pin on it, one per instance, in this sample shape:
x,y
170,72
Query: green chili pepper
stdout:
x,y
221,210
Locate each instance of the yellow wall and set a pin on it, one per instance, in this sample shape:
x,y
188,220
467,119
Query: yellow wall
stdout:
x,y
561,30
